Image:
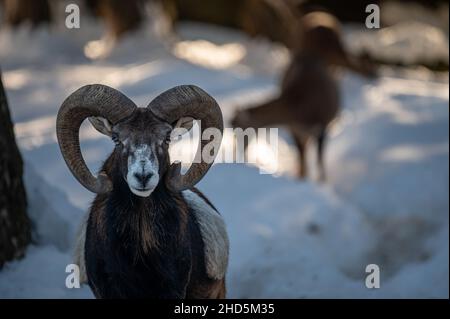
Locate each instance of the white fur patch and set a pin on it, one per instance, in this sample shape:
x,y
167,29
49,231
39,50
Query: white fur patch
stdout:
x,y
141,161
214,234
78,258
141,193
212,228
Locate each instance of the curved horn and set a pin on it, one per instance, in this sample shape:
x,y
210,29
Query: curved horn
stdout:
x,y
190,101
89,100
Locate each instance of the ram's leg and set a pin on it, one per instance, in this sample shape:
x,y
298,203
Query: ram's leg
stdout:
x,y
79,256
301,141
207,289
217,290
321,139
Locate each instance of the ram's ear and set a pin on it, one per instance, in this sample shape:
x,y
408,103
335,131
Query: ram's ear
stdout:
x,y
182,126
185,122
101,124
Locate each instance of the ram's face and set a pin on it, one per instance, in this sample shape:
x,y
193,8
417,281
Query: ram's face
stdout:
x,y
142,143
141,135
242,119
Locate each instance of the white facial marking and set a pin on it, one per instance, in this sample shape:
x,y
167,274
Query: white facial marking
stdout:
x,y
142,176
141,193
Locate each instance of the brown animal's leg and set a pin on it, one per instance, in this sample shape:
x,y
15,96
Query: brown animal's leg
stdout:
x,y
215,290
221,290
208,289
301,140
320,149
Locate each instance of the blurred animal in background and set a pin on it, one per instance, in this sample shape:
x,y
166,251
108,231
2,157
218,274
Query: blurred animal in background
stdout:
x,y
119,16
309,98
149,232
319,34
36,12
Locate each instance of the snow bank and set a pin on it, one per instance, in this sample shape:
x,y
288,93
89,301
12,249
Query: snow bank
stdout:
x,y
40,275
51,212
411,33
400,43
288,239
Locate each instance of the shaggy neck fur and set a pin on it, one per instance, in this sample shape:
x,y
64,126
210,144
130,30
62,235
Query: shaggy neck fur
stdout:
x,y
149,222
138,247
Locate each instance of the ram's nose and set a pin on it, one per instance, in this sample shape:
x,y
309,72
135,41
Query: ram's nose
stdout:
x,y
143,178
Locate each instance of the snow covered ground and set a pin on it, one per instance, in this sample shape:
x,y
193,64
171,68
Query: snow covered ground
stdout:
x,y
386,201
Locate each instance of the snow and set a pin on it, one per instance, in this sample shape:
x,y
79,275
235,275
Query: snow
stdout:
x,y
400,43
412,33
386,201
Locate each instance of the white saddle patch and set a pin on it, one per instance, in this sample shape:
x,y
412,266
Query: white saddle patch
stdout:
x,y
78,256
214,234
212,228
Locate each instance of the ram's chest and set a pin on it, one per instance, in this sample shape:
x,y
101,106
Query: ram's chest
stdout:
x,y
139,255
115,267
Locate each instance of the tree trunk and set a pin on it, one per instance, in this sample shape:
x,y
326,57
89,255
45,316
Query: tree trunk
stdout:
x,y
35,12
14,222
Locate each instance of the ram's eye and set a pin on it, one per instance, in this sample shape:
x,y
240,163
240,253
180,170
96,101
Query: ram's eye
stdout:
x,y
167,139
116,140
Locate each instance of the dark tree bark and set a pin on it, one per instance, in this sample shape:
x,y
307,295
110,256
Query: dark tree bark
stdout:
x,y
35,12
15,231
